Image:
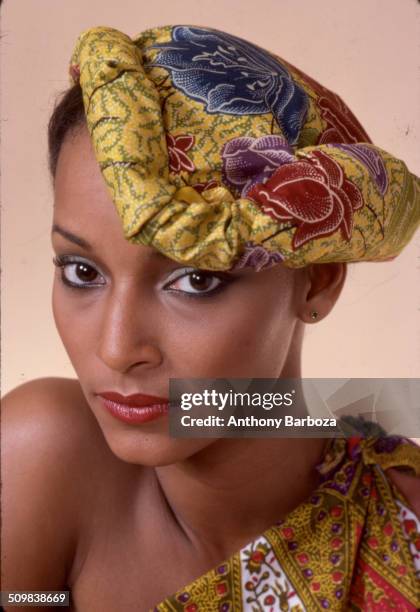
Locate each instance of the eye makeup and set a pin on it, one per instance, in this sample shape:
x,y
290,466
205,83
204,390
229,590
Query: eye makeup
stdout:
x,y
73,268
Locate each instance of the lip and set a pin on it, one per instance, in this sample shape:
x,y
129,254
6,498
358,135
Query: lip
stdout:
x,y
136,408
137,400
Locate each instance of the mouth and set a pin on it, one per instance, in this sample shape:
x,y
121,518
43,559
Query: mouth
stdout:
x,y
137,408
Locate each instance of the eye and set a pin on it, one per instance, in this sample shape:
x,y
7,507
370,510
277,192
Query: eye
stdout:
x,y
77,273
80,274
199,283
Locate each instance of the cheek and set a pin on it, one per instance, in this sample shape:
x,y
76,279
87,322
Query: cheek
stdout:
x,y
61,317
73,328
247,339
247,336
58,311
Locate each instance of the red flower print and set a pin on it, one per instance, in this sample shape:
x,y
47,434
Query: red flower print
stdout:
x,y
200,187
367,479
221,588
257,557
177,148
336,543
342,125
313,193
353,446
302,558
287,533
409,526
388,529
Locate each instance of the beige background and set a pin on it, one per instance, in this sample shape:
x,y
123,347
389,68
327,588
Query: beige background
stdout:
x,y
365,50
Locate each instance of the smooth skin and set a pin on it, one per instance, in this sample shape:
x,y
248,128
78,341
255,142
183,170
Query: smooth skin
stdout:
x,y
121,514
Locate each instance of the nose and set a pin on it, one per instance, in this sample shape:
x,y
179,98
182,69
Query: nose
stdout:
x,y
128,331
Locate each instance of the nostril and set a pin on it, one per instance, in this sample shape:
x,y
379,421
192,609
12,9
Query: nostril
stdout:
x,y
128,329
123,357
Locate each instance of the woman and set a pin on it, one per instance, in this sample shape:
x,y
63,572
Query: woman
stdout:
x,y
243,188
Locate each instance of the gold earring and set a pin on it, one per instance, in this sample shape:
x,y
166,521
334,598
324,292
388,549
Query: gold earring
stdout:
x,y
314,314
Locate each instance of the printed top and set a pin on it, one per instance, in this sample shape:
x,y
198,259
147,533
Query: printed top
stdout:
x,y
353,545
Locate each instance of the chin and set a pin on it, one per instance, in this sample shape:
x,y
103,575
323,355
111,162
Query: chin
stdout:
x,y
153,450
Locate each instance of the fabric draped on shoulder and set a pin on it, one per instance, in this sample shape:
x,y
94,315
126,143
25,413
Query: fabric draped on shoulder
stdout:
x,y
354,544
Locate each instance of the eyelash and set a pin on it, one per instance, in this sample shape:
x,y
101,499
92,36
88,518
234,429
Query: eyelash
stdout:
x,y
62,261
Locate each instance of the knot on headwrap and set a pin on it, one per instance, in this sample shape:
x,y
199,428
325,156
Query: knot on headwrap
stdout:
x,y
221,155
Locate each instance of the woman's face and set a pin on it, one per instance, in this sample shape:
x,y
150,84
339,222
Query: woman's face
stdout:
x,y
137,319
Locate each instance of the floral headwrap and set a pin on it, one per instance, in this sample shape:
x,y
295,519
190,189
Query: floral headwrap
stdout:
x,y
221,155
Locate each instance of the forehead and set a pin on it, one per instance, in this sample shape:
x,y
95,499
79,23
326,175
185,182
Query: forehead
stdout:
x,y
83,205
79,189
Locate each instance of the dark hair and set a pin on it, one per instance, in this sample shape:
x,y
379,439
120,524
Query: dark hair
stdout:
x,y
68,115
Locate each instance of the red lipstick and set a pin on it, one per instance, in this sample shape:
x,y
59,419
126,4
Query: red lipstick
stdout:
x,y
136,408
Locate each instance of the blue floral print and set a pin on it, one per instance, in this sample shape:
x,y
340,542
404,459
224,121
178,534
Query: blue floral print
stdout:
x,y
233,76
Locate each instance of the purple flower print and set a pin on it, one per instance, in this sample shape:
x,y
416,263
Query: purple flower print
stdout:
x,y
372,160
257,257
249,161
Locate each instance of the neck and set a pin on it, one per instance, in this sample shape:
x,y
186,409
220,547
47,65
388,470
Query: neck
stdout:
x,y
230,492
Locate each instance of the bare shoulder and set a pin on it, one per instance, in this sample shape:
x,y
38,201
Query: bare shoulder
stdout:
x,y
49,437
49,415
43,395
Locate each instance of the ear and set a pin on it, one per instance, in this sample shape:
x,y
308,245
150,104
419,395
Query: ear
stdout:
x,y
322,286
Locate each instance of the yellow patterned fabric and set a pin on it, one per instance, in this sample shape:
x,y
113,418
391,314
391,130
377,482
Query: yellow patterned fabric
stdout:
x,y
222,155
353,545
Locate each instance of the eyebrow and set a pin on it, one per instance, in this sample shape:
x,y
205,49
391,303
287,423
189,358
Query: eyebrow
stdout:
x,y
71,237
154,254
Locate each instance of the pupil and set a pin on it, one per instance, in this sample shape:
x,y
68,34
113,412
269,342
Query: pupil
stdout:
x,y
85,272
199,280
